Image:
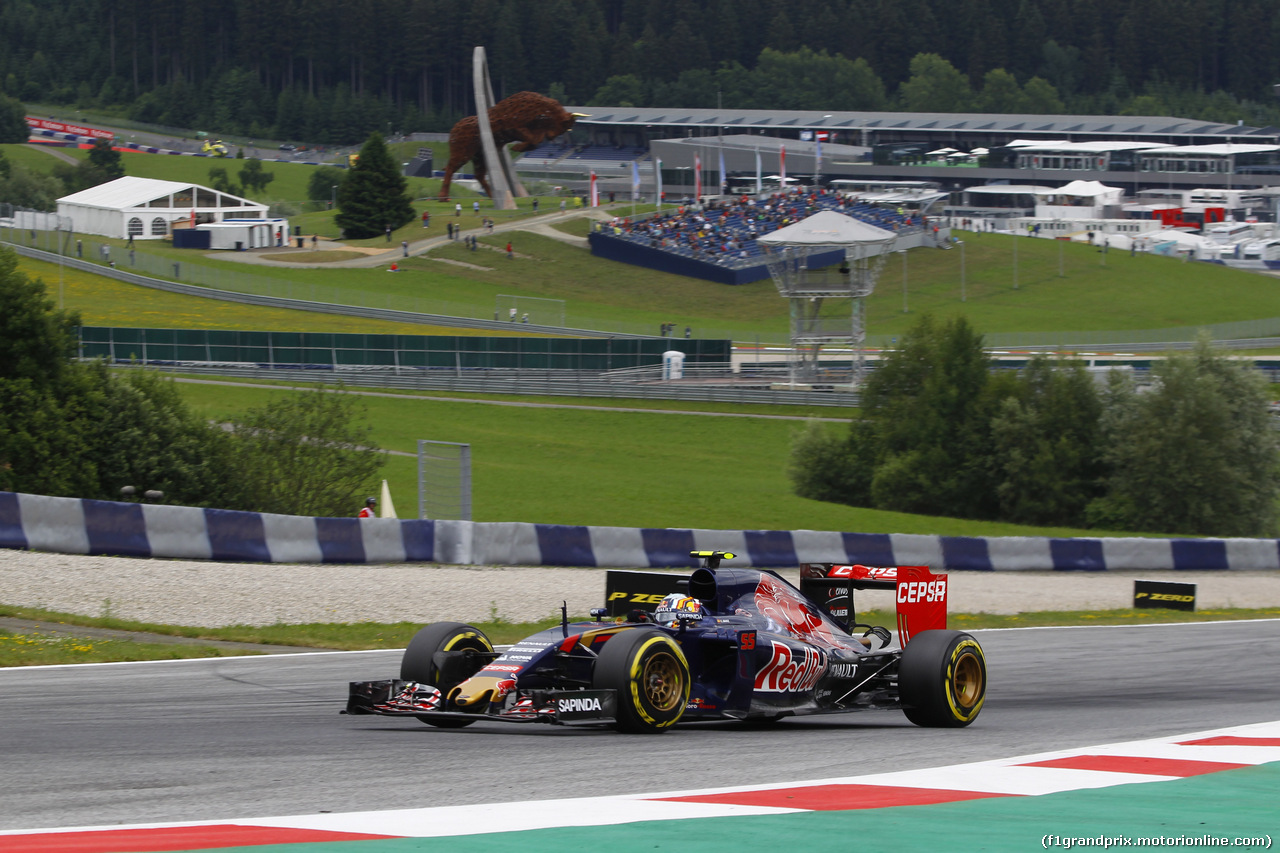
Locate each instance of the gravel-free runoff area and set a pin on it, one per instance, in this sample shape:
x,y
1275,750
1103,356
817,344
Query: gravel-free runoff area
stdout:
x,y
207,594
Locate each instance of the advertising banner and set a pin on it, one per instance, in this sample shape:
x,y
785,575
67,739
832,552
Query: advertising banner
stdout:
x,y
1166,594
60,127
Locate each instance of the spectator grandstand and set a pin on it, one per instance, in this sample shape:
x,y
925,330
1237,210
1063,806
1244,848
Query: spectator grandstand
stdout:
x,y
562,148
722,233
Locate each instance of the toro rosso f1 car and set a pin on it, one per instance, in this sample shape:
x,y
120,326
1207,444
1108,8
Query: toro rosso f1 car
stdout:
x,y
720,644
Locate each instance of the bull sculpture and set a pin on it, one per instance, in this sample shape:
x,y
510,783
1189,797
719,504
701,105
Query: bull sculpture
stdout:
x,y
525,117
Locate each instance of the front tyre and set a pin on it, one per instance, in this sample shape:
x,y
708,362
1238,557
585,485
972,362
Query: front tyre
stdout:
x,y
942,679
650,675
432,658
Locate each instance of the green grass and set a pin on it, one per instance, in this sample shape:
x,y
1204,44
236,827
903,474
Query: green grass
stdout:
x,y
32,158
620,297
1095,292
41,650
37,649
612,468
1128,293
104,301
579,227
345,636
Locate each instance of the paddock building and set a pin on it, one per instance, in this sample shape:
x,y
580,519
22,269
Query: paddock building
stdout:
x,y
1132,152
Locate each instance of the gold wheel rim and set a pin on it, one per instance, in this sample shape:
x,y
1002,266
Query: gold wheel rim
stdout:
x,y
661,681
967,683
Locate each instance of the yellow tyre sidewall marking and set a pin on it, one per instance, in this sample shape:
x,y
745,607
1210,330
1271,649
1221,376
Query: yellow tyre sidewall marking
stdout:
x,y
465,635
636,660
951,674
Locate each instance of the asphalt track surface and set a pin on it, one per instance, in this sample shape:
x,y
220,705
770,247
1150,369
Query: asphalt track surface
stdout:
x,y
258,736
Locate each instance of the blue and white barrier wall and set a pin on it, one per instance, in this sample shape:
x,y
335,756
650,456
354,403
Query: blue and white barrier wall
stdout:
x,y
74,526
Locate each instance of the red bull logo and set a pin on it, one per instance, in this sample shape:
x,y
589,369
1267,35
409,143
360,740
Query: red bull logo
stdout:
x,y
797,617
791,670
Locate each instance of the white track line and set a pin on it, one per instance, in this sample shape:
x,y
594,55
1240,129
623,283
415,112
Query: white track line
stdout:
x,y
997,777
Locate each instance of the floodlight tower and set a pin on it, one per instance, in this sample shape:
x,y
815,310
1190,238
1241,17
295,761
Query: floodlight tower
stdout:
x,y
814,322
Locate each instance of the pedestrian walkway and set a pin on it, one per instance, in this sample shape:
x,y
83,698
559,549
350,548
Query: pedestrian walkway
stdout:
x,y
539,224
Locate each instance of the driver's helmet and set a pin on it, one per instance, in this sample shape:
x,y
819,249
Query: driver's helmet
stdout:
x,y
677,605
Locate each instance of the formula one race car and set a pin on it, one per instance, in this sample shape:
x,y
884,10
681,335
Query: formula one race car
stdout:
x,y
720,644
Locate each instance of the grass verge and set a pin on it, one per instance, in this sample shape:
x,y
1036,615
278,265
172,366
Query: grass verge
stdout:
x,y
603,467
35,649
104,301
45,650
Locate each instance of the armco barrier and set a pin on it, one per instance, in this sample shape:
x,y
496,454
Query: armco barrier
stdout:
x,y
74,526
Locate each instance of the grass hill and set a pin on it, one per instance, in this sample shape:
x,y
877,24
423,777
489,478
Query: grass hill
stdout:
x,y
599,463
1056,287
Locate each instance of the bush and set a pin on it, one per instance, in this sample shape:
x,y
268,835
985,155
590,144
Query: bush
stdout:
x,y
1196,455
825,467
84,430
320,186
305,454
929,405
1047,443
940,434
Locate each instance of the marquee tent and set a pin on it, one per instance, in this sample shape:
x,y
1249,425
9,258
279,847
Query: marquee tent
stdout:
x,y
148,209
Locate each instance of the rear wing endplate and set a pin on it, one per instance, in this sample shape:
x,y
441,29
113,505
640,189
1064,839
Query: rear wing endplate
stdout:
x,y
920,600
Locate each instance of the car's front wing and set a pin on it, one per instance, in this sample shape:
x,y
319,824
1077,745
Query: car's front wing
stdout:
x,y
396,698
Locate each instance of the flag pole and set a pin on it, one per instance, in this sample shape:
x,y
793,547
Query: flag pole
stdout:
x,y
724,182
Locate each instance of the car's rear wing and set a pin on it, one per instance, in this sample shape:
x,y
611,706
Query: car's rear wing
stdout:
x,y
921,598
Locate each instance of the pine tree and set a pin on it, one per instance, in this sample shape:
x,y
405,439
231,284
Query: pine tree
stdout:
x,y
13,122
107,159
374,196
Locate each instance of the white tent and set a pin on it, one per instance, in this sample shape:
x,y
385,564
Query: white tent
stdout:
x,y
1174,242
147,209
1078,200
826,228
1089,189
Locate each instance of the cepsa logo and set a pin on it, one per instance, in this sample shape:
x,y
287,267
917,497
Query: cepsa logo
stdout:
x,y
791,671
887,573
916,591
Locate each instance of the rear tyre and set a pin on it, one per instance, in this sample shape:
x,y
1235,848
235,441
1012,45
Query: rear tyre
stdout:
x,y
420,663
942,679
649,672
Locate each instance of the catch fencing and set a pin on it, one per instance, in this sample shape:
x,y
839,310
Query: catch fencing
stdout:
x,y
332,351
